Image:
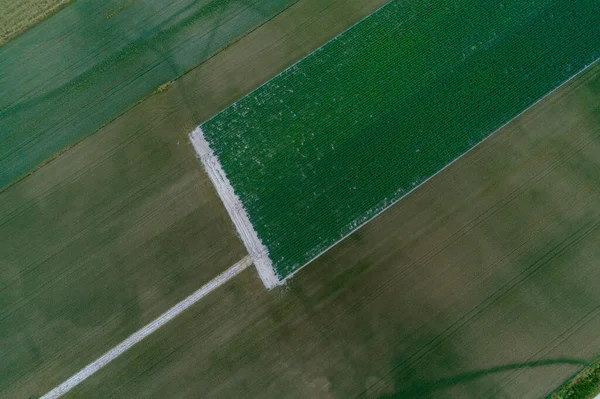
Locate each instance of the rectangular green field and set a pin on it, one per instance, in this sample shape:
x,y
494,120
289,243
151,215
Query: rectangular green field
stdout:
x,y
332,141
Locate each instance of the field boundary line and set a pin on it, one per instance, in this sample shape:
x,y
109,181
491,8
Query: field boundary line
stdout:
x,y
235,209
293,65
148,329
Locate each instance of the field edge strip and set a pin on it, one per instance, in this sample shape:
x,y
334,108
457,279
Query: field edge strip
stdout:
x,y
298,61
148,329
257,250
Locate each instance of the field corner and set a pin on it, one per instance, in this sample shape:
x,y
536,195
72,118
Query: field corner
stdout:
x,y
257,250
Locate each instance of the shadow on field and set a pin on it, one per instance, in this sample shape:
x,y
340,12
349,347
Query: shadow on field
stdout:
x,y
426,388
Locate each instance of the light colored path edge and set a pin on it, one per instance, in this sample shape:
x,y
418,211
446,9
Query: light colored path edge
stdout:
x,y
235,208
233,204
139,335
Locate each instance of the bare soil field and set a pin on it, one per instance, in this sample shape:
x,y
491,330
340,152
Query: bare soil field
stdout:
x,y
18,16
97,244
125,224
482,283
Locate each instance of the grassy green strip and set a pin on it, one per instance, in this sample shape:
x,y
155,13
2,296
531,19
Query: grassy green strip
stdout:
x,y
585,385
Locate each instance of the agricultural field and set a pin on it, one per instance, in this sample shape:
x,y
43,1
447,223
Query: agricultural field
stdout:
x,y
17,16
480,283
337,138
125,224
100,58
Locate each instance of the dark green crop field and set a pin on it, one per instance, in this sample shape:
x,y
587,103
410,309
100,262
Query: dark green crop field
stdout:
x,y
66,77
334,140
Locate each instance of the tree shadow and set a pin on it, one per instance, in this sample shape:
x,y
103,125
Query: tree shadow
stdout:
x,y
426,388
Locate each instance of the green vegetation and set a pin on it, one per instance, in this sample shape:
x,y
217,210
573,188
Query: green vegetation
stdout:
x,y
162,87
122,8
476,285
18,16
69,76
585,385
332,141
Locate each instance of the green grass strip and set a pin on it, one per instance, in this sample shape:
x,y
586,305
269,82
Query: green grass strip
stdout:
x,y
585,385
